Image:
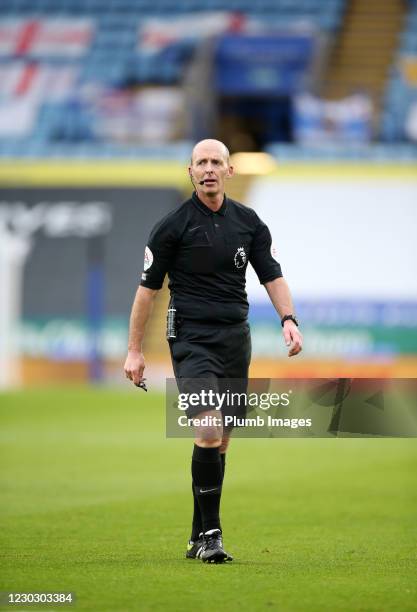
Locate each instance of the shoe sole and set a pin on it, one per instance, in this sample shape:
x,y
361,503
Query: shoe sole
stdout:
x,y
216,558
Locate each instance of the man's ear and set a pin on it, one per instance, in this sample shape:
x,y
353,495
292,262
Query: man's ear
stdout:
x,y
230,172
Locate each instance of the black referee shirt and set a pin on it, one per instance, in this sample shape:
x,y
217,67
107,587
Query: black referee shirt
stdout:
x,y
205,255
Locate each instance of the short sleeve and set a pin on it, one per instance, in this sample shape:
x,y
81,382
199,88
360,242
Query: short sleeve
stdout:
x,y
160,252
262,255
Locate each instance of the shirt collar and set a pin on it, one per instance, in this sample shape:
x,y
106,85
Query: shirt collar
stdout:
x,y
205,209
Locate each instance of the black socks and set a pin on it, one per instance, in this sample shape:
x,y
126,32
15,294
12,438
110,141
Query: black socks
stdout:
x,y
207,471
197,526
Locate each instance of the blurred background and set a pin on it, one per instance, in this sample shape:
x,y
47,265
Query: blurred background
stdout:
x,y
100,104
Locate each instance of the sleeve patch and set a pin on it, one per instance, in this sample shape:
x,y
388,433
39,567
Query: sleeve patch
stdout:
x,y
148,260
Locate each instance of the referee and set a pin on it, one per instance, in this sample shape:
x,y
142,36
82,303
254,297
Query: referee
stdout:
x,y
204,246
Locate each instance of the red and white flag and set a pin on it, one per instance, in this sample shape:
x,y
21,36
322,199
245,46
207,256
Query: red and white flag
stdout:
x,y
37,81
64,37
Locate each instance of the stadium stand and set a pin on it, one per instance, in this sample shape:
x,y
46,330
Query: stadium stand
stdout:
x,y
364,49
115,47
52,53
401,89
401,153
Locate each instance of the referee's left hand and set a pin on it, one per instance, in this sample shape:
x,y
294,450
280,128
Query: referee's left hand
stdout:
x,y
293,338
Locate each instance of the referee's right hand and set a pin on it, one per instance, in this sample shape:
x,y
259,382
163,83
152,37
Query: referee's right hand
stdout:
x,y
134,366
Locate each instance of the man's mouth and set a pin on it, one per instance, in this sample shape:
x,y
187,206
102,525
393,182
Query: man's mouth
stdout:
x,y
209,181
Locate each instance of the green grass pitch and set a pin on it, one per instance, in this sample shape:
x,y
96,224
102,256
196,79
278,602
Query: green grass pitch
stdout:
x,y
96,500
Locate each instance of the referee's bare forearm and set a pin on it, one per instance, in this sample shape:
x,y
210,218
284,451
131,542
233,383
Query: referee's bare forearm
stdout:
x,y
141,311
280,296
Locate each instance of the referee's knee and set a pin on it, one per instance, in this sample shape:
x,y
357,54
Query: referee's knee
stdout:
x,y
208,429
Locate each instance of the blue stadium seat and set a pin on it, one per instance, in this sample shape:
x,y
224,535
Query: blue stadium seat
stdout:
x,y
399,94
113,57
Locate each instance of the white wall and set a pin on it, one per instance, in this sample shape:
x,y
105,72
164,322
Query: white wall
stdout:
x,y
345,238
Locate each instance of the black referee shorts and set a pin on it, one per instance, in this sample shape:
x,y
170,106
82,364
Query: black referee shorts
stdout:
x,y
208,357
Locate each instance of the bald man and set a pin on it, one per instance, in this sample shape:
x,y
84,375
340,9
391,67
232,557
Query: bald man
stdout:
x,y
205,246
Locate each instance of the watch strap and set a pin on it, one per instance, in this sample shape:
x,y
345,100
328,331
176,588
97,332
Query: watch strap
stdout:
x,y
289,317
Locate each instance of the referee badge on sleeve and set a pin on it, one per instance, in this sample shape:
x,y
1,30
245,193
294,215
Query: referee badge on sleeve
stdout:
x,y
274,252
148,260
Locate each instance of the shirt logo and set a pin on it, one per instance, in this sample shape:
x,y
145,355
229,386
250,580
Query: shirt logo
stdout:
x,y
240,257
274,252
148,261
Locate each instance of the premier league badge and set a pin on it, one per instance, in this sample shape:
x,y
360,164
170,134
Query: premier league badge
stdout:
x,y
240,257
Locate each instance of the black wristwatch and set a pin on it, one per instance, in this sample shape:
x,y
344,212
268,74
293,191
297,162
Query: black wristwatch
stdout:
x,y
289,318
